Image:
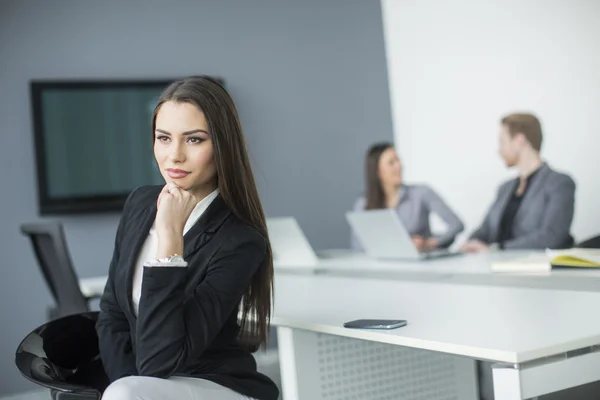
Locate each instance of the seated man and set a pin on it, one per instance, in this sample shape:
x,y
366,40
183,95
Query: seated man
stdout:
x,y
533,211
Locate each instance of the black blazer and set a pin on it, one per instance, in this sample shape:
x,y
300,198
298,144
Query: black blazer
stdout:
x,y
187,320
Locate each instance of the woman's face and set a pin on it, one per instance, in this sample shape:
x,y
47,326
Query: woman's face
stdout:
x,y
183,148
390,168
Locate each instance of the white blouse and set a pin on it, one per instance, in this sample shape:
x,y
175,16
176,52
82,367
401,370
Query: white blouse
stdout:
x,y
150,247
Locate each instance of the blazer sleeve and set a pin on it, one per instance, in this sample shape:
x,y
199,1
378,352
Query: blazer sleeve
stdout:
x,y
556,224
172,329
484,232
436,205
355,245
114,338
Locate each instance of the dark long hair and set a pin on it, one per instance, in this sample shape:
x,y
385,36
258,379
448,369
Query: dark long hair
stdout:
x,y
374,196
237,188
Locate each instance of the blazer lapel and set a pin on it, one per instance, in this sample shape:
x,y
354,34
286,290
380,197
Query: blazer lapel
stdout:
x,y
208,223
533,190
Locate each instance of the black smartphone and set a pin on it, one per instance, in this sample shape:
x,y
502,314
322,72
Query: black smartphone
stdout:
x,y
375,323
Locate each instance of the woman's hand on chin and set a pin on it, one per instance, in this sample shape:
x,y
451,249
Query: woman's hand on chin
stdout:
x,y
174,207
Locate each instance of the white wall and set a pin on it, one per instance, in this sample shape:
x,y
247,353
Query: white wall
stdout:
x,y
455,67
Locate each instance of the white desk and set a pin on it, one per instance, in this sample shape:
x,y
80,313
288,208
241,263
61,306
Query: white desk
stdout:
x,y
522,327
542,340
468,269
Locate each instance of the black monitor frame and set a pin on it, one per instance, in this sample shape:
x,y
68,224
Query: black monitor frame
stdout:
x,y
48,205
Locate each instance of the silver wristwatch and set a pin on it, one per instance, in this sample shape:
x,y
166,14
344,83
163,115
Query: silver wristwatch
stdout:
x,y
175,258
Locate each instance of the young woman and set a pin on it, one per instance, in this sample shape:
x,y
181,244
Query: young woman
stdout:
x,y
190,283
414,203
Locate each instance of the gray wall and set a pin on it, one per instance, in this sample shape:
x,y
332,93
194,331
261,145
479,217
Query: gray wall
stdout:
x,y
309,78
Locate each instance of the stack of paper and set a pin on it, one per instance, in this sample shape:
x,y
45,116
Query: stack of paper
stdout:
x,y
544,262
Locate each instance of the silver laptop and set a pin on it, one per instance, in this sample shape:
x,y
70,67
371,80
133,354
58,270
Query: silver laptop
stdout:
x,y
289,244
291,247
382,235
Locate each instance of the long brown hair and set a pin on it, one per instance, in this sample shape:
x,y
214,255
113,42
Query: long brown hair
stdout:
x,y
237,188
375,198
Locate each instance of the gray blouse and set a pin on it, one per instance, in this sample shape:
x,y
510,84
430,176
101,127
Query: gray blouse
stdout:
x,y
414,207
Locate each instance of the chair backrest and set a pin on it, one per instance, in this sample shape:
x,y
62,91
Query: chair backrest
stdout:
x,y
50,248
63,355
590,243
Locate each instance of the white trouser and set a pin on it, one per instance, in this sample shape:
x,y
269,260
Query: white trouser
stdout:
x,y
176,387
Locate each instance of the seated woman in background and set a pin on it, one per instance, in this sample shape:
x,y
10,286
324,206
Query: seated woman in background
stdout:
x,y
414,203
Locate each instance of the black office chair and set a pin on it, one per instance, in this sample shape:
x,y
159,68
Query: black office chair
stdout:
x,y
63,356
50,247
